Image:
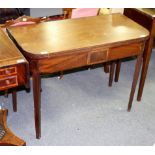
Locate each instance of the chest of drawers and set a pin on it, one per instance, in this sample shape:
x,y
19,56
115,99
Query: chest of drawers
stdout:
x,y
13,65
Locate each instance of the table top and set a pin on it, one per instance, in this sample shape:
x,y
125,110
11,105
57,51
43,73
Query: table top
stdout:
x,y
9,54
54,37
148,11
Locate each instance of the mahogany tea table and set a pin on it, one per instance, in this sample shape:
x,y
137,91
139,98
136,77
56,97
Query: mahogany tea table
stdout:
x,y
66,44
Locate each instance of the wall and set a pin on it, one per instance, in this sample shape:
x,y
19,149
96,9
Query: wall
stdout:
x,y
41,12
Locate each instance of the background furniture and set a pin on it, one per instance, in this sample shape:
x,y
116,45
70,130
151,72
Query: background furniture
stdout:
x,y
67,12
8,16
14,72
12,13
8,138
14,69
146,18
64,50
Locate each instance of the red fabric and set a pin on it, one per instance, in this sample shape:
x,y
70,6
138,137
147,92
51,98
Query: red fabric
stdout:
x,y
84,12
23,23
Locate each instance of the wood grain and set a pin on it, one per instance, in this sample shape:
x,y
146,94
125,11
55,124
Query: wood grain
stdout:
x,y
13,65
62,45
44,39
146,18
9,54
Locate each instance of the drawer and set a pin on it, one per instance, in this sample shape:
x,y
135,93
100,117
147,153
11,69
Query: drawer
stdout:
x,y
125,51
62,63
97,55
8,82
8,71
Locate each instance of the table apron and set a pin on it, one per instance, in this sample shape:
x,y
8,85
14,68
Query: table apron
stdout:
x,y
88,57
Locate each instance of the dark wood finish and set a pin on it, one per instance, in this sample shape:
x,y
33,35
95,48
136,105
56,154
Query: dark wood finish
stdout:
x,y
14,100
65,62
146,59
124,51
118,67
146,18
13,67
112,68
67,12
9,138
97,56
37,97
66,44
8,82
118,53
135,79
8,71
106,67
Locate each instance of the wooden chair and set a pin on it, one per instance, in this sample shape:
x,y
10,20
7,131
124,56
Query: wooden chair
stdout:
x,y
22,21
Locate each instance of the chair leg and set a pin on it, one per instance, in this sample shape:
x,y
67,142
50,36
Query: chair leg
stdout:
x,y
117,72
112,68
106,67
14,100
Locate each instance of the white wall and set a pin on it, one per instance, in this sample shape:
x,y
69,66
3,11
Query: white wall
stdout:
x,y
41,12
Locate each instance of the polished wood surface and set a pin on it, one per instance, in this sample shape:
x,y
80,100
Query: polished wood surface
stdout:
x,y
148,11
9,138
49,38
9,54
146,18
67,44
13,65
14,70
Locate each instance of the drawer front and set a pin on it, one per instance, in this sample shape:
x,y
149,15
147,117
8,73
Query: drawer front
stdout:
x,y
97,56
125,51
8,82
8,71
62,63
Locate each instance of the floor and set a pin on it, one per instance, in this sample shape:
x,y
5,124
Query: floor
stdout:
x,y
81,109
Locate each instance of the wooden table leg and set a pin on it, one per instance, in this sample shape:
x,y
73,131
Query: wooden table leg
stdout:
x,y
37,102
146,59
118,66
106,67
135,79
112,68
14,100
